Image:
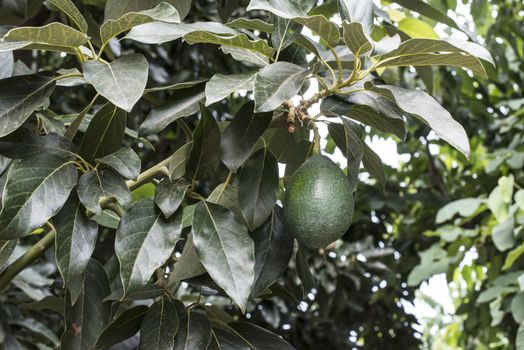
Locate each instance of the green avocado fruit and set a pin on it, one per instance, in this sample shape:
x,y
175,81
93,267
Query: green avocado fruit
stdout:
x,y
318,206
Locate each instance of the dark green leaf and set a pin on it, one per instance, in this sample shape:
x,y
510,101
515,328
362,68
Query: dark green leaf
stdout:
x,y
23,144
225,249
20,96
227,197
356,39
6,249
178,161
71,11
303,270
144,241
373,164
104,134
194,331
52,34
29,183
124,327
159,326
273,250
100,183
351,146
284,32
241,135
321,26
169,195
260,338
205,154
357,11
258,186
188,265
221,86
239,40
75,242
225,340
125,161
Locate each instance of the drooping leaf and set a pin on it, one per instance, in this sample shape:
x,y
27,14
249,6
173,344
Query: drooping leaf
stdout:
x,y
225,249
124,327
104,134
100,183
259,337
284,32
178,161
239,138
238,40
227,197
161,32
464,207
28,185
513,256
284,9
162,12
6,69
23,144
251,24
75,242
244,55
503,236
144,241
122,81
273,250
323,27
258,186
87,318
360,11
72,12
183,103
188,265
226,340
125,161
356,39
428,110
159,326
351,146
169,195
417,29
205,154
194,331
277,83
373,164
52,34
6,249
221,86
303,270
20,96
117,8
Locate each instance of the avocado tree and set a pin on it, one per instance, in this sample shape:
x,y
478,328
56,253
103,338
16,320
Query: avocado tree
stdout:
x,y
183,250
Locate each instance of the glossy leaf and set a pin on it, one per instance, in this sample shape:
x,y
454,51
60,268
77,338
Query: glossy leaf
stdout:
x,y
225,249
227,197
125,161
29,183
205,154
284,9
284,32
117,8
72,12
323,27
351,146
239,40
194,333
75,242
53,34
23,144
144,241
239,138
183,103
260,338
122,81
244,55
178,161
188,265
221,86
360,11
258,186
104,134
225,340
169,195
124,327
373,164
277,83
159,326
251,24
21,95
273,250
356,39
97,184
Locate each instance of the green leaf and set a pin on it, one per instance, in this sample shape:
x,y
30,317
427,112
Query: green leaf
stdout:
x,y
159,326
6,70
144,241
428,110
239,137
23,144
284,32
28,185
257,187
430,52
498,205
284,9
125,161
277,83
356,39
162,12
464,207
124,327
161,32
517,307
238,40
52,34
169,195
323,27
71,11
259,337
225,340
75,242
122,81
88,317
205,154
104,134
178,161
432,261
373,164
101,183
117,8
195,331
303,270
227,197
273,250
251,24
6,249
183,103
20,96
357,11
188,265
502,234
221,86
351,146
417,29
519,341
225,249
36,328
244,55
512,256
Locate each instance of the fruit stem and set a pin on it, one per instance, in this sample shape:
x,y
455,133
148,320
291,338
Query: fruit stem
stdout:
x,y
316,140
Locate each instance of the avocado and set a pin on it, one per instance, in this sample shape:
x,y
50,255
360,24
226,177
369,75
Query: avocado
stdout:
x,y
318,206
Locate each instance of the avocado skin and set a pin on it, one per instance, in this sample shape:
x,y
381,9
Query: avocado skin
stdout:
x,y
319,205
